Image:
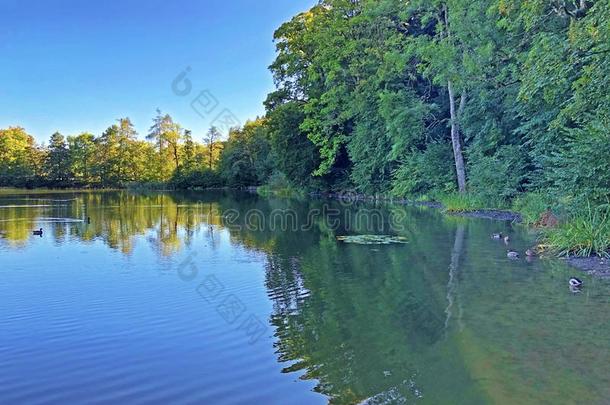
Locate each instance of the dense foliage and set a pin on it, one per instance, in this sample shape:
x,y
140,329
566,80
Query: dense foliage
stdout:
x,y
393,94
116,158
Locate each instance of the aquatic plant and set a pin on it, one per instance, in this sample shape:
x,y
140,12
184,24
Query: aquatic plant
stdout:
x,y
372,239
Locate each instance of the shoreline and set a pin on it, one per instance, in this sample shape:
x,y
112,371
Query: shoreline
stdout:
x,y
592,265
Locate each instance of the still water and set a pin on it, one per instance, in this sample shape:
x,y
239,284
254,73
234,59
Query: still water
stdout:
x,y
227,298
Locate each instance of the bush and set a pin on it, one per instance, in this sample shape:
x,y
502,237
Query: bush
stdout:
x,y
146,186
584,234
497,178
199,178
531,206
424,172
582,171
278,185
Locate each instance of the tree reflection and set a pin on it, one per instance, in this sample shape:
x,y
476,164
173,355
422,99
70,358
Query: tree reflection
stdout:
x,y
367,323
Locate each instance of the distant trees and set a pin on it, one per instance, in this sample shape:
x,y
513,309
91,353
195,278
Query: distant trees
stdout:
x,y
58,164
213,146
18,158
116,158
82,158
166,135
246,158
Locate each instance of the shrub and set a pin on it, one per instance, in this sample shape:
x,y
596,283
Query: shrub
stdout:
x,y
584,234
497,178
278,185
531,206
423,172
199,178
582,170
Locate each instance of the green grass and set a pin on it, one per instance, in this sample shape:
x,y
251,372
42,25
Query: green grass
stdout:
x,y
456,203
531,206
584,234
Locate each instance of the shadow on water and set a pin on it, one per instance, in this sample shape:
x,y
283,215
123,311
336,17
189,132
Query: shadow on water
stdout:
x,y
445,318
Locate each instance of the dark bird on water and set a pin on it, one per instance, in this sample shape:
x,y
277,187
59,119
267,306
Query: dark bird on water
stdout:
x,y
38,233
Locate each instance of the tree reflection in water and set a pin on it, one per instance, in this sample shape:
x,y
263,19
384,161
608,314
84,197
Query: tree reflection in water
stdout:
x,y
368,323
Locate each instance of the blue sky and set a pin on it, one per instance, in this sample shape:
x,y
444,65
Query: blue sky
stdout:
x,y
75,65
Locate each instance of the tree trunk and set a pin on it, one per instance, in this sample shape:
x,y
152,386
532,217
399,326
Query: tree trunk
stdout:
x,y
176,159
452,285
456,140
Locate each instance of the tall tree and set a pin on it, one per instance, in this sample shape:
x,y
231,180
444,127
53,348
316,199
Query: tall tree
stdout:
x,y
58,164
189,150
82,157
18,157
213,146
246,157
166,134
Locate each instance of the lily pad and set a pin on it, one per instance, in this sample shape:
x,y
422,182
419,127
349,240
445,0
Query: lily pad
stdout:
x,y
372,239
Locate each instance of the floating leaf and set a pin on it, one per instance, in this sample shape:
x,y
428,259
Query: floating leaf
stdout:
x,y
372,239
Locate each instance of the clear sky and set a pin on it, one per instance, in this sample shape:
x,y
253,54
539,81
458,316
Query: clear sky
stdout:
x,y
78,65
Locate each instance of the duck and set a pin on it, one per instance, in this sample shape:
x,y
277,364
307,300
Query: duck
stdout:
x,y
496,236
38,233
530,253
512,254
506,239
575,282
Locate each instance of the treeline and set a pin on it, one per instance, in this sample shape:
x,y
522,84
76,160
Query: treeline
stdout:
x,y
117,158
491,98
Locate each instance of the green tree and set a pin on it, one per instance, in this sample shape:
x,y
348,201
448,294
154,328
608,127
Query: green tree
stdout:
x,y
18,158
58,163
213,146
82,156
246,159
118,149
292,152
166,134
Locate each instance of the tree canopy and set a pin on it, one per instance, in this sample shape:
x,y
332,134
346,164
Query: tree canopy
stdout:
x,y
493,98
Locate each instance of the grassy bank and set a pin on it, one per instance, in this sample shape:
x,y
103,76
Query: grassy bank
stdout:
x,y
576,232
584,233
455,203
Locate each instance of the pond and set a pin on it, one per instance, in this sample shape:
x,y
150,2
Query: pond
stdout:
x,y
231,298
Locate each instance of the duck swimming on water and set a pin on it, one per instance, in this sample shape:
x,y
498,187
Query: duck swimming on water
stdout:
x,y
511,254
575,282
38,233
496,236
